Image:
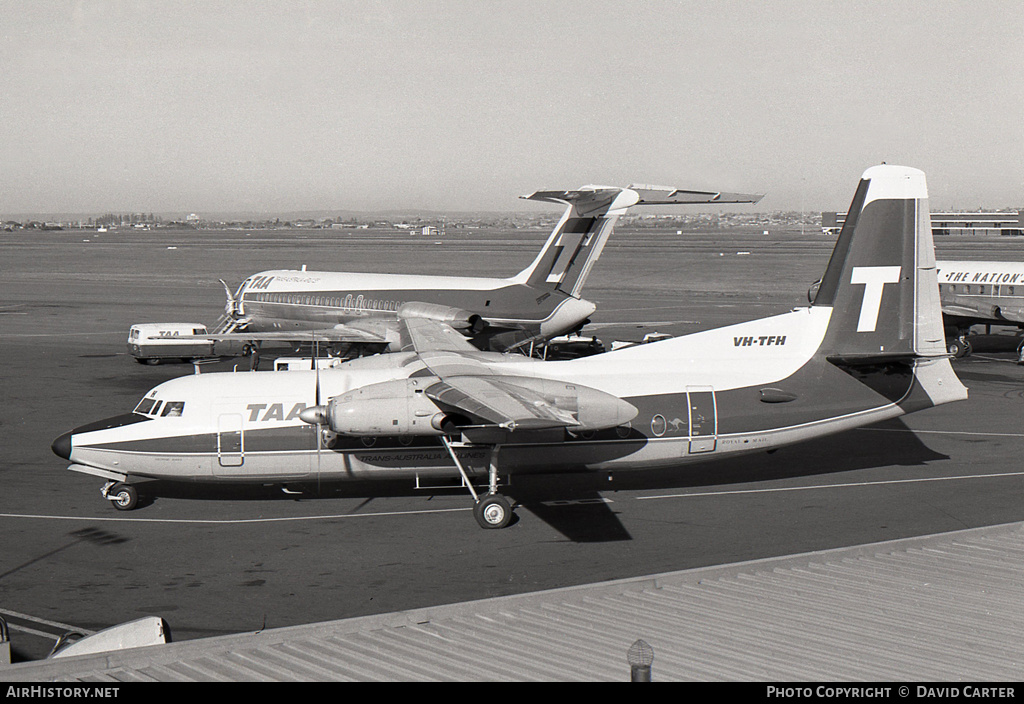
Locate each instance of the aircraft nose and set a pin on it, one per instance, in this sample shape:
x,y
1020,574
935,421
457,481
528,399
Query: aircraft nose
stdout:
x,y
62,446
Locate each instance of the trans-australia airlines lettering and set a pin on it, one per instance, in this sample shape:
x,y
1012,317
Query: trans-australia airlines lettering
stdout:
x,y
874,279
273,411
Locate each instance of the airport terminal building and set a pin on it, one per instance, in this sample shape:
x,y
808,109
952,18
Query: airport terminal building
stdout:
x,y
1008,222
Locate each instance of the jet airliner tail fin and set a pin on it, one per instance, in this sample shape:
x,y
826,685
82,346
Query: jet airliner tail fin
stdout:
x,y
881,281
575,244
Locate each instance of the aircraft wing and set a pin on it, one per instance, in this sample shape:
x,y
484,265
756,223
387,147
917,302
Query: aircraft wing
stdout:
x,y
470,386
501,403
983,308
429,335
1013,313
466,384
342,333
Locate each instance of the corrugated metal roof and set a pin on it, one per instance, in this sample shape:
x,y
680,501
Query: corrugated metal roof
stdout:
x,y
940,608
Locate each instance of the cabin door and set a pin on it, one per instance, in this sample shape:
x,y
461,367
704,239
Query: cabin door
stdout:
x,y
230,441
703,419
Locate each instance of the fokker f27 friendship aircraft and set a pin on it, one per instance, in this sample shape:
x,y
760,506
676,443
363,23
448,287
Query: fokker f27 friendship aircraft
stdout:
x,y
868,348
540,302
980,293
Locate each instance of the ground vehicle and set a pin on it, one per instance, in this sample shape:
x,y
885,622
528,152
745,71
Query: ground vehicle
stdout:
x,y
305,363
150,343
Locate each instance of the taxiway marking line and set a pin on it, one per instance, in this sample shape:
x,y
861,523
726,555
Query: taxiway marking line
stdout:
x,y
43,621
228,521
833,486
34,632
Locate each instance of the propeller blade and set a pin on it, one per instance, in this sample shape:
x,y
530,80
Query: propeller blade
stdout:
x,y
316,368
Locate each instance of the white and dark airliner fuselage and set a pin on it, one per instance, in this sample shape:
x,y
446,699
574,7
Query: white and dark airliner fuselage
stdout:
x,y
748,387
869,348
980,293
290,301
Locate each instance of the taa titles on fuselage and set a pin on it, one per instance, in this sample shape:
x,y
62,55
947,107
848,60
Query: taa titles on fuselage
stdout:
x,y
869,347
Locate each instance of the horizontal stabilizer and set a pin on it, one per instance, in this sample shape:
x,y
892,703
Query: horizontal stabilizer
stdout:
x,y
590,216
644,195
663,195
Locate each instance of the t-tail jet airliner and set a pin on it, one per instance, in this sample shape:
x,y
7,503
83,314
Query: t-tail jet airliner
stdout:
x,y
869,347
980,293
363,309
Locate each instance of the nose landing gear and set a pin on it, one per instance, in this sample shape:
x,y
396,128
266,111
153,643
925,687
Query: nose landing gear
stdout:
x,y
123,496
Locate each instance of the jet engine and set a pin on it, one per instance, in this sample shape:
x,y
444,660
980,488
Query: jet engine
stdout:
x,y
462,320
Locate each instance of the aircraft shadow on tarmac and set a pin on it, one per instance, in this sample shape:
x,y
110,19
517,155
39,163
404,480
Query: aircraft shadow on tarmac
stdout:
x,y
573,503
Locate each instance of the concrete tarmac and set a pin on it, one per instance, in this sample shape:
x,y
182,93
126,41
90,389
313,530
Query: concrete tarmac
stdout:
x,y
216,561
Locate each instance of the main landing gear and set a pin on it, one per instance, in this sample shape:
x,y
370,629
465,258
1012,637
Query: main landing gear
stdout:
x,y
491,510
959,346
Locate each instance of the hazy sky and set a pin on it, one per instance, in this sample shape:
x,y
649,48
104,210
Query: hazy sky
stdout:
x,y
168,106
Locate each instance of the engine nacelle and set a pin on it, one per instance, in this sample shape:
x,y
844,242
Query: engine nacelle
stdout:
x,y
593,409
462,320
397,407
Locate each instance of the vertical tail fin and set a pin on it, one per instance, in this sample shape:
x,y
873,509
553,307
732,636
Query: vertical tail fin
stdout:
x,y
575,245
881,281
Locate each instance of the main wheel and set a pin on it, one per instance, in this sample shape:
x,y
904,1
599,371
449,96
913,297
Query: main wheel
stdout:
x,y
124,496
959,347
493,511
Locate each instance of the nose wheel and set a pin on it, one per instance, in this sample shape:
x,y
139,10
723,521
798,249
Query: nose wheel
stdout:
x,y
123,496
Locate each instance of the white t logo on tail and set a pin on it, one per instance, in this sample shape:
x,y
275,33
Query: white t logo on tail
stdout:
x,y
874,279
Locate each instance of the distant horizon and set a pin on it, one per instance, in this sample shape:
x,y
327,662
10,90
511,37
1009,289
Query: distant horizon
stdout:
x,y
324,213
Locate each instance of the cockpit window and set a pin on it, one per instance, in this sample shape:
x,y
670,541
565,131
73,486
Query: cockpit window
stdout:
x,y
173,408
152,407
